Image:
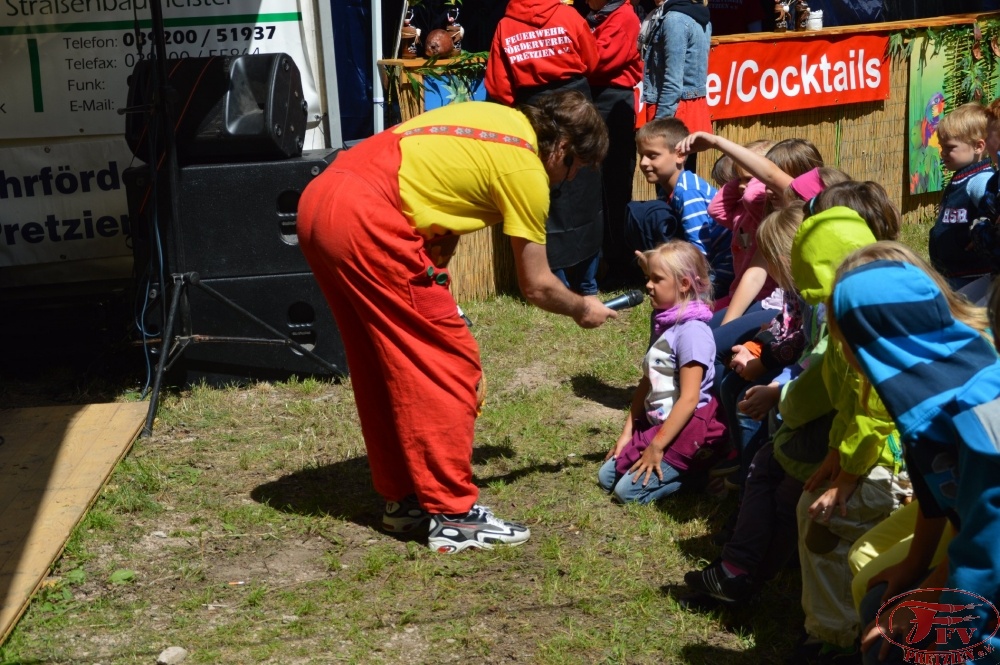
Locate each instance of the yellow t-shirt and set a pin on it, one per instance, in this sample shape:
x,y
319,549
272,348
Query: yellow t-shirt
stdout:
x,y
459,184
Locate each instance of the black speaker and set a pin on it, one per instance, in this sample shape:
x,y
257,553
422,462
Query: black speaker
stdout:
x,y
224,108
232,220
235,227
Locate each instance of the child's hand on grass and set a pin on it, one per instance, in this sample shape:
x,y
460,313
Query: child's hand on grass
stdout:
x,y
619,446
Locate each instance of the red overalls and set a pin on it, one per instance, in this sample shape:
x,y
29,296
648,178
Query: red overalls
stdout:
x,y
413,363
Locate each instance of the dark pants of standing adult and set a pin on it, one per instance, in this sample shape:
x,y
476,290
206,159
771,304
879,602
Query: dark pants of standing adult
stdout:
x,y
617,107
574,230
735,332
413,362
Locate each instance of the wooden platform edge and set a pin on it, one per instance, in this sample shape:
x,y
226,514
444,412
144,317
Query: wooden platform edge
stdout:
x,y
5,631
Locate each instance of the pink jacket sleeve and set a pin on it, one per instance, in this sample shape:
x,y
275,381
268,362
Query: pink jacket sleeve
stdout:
x,y
723,207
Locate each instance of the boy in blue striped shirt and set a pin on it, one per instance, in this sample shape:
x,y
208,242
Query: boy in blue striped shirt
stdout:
x,y
681,210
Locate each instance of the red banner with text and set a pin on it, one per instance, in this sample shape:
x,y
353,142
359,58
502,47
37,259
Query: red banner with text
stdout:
x,y
753,78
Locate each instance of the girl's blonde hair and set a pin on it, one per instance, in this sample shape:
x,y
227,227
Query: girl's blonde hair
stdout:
x,y
868,199
682,259
890,250
774,240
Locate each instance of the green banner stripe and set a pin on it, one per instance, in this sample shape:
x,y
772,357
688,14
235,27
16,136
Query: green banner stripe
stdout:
x,y
147,24
36,75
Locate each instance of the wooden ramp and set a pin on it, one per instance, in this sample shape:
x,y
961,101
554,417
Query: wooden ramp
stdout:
x,y
53,462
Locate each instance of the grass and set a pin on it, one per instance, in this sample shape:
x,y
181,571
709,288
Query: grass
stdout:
x,y
245,530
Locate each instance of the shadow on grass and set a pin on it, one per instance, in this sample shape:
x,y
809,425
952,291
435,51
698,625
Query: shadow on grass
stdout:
x,y
588,386
344,490
763,622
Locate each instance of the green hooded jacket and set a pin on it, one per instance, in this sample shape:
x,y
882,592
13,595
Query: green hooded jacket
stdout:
x,y
827,383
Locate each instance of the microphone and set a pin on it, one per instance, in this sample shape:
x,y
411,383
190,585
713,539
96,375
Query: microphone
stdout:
x,y
630,299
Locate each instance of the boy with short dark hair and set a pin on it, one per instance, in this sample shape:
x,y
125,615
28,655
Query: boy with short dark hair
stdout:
x,y
681,210
962,136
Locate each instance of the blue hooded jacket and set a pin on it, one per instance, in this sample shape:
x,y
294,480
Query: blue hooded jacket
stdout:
x,y
940,381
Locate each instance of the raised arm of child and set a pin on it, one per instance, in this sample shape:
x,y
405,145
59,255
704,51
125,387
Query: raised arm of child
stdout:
x,y
757,165
689,385
746,291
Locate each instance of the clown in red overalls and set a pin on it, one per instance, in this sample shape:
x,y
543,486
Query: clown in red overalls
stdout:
x,y
371,227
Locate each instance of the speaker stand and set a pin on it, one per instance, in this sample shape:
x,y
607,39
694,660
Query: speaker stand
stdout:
x,y
169,352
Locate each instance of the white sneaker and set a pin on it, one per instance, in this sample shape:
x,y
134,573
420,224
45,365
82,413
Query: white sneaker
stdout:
x,y
479,528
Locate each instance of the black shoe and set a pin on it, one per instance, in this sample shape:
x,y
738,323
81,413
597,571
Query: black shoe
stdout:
x,y
713,581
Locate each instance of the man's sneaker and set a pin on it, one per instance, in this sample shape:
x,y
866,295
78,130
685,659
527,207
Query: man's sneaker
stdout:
x,y
478,528
404,516
713,581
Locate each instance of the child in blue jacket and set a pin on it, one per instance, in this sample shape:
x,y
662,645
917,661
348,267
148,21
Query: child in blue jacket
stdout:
x,y
938,376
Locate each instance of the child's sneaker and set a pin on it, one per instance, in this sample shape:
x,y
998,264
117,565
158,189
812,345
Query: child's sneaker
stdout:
x,y
404,516
715,582
478,528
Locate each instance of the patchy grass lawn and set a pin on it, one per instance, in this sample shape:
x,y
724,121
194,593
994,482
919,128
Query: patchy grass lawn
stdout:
x,y
245,530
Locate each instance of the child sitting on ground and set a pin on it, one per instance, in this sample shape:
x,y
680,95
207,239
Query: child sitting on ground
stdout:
x,y
682,209
673,432
962,134
757,363
739,206
765,535
939,378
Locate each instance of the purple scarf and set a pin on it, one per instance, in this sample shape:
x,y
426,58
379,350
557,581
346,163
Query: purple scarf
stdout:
x,y
664,319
